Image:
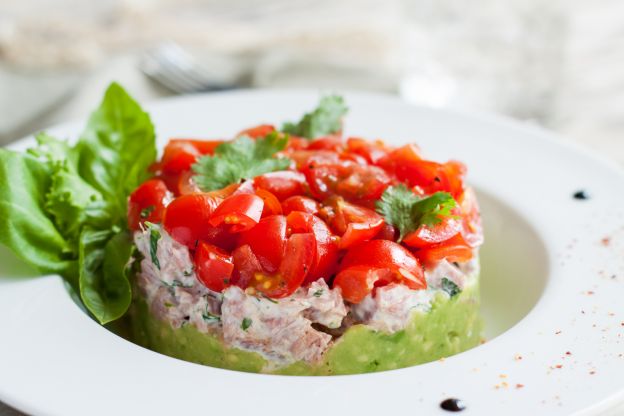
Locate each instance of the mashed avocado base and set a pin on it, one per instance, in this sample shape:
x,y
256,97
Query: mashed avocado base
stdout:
x,y
451,326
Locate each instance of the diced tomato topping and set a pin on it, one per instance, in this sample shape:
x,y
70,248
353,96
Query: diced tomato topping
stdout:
x,y
147,203
277,231
240,211
213,266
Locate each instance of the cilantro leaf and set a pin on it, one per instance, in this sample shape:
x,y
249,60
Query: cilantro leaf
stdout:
x,y
242,158
407,211
450,287
325,119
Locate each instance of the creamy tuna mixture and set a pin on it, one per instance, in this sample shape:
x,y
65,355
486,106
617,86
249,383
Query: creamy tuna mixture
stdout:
x,y
295,328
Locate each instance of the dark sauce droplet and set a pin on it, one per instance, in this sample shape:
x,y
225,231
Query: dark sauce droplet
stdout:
x,y
453,405
582,195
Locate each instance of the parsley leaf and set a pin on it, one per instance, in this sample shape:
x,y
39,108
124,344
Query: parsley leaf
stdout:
x,y
450,287
246,323
242,158
323,120
408,211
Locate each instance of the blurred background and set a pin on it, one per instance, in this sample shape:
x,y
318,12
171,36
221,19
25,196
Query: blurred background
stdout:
x,y
559,64
556,63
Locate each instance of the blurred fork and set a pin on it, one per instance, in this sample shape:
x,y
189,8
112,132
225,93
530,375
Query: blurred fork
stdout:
x,y
175,69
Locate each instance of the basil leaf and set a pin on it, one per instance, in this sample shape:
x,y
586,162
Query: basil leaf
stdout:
x,y
104,286
116,148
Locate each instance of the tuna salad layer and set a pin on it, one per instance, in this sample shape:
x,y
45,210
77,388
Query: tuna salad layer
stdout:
x,y
303,333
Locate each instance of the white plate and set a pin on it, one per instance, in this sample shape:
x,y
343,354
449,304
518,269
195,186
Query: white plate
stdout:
x,y
551,285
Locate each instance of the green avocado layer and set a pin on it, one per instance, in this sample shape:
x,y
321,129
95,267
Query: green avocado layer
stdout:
x,y
451,326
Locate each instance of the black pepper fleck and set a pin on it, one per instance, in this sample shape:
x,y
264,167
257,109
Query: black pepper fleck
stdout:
x,y
453,405
581,194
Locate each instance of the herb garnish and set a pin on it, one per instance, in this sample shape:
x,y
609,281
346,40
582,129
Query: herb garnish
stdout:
x,y
154,237
450,287
146,212
318,293
408,211
323,120
209,317
242,158
63,207
246,323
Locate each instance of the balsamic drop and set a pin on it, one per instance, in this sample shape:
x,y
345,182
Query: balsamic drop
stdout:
x,y
582,195
452,405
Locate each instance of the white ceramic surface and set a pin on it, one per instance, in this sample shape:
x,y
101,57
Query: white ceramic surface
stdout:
x,y
553,284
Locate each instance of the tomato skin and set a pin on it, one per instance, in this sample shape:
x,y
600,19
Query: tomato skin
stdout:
x,y
282,184
150,194
300,203
213,266
425,236
327,249
257,131
187,217
240,211
383,254
267,241
455,249
354,223
186,185
358,281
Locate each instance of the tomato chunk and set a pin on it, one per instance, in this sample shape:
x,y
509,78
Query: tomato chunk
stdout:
x,y
267,240
147,203
300,253
282,184
327,249
358,281
271,205
300,203
354,223
257,131
455,249
187,217
246,266
240,211
213,266
425,236
380,254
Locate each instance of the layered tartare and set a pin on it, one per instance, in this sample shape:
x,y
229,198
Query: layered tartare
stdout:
x,y
297,250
